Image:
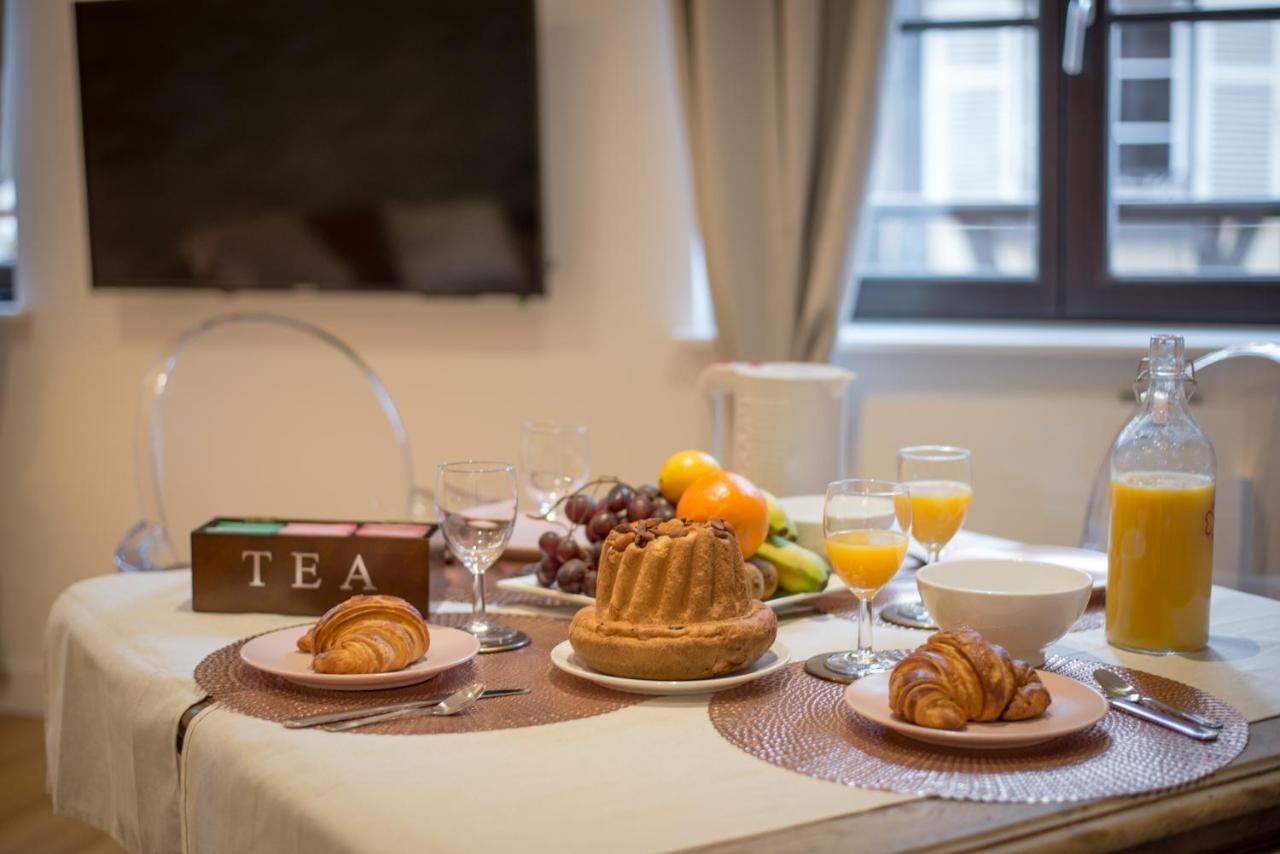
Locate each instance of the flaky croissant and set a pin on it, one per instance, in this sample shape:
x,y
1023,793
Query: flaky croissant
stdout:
x,y
956,677
367,634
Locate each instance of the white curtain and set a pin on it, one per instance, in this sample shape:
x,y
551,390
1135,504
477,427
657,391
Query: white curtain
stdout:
x,y
780,106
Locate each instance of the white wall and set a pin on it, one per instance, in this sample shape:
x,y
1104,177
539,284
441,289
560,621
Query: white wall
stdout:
x,y
1039,420
464,372
597,349
1037,424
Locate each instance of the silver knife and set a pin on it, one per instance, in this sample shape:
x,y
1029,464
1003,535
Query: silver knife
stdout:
x,y
355,714
1161,719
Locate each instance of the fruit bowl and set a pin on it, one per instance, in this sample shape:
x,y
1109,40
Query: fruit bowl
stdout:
x,y
565,559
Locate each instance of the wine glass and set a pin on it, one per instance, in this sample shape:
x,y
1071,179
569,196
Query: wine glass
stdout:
x,y
476,505
866,524
940,478
555,460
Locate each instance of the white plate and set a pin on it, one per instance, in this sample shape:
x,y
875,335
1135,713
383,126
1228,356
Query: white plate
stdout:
x,y
1075,706
564,658
277,653
529,584
1094,563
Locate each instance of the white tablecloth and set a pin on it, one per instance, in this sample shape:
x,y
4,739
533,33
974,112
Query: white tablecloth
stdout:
x,y
121,650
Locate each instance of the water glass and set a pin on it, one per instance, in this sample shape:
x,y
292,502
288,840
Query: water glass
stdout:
x,y
555,460
476,505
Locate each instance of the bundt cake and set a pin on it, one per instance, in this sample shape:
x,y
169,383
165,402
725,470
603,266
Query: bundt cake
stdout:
x,y
672,602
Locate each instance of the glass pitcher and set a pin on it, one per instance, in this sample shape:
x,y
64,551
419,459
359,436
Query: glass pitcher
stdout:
x,y
1160,555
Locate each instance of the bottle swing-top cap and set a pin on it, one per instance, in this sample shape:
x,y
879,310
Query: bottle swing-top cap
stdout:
x,y
1164,361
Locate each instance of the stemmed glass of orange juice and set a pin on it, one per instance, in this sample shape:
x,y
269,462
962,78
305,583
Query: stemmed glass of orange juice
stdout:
x,y
866,524
940,478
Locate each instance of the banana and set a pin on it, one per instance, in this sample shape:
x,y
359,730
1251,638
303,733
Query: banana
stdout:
x,y
779,522
800,570
769,573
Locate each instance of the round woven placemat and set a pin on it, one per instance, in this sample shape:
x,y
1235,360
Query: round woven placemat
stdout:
x,y
554,696
801,723
841,603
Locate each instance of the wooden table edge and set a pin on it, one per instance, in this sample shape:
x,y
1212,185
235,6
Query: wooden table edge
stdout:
x,y
1237,804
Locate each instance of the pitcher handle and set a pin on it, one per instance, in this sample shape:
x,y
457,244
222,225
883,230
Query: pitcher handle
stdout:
x,y
715,383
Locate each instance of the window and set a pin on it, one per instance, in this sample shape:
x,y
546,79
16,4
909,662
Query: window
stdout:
x,y
8,208
8,241
1147,187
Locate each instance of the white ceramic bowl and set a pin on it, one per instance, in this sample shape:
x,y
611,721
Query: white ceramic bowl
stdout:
x,y
806,512
1023,605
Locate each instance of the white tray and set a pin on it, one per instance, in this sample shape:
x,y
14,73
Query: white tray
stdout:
x,y
528,584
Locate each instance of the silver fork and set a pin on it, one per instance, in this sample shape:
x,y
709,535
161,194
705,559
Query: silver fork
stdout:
x,y
451,705
352,714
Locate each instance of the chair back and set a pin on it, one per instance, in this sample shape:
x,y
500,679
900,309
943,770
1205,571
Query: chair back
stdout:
x,y
253,415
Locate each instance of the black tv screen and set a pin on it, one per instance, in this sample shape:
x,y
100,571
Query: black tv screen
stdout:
x,y
329,144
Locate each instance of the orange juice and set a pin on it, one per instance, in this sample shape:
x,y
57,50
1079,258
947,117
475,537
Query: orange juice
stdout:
x,y
866,560
1160,561
938,508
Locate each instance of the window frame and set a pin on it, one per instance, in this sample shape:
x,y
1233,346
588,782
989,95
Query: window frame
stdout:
x,y
1089,291
1073,127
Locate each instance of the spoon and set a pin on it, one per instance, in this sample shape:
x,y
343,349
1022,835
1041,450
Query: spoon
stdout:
x,y
1117,686
451,705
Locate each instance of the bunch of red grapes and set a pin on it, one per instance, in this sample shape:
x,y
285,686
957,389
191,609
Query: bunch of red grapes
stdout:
x,y
571,566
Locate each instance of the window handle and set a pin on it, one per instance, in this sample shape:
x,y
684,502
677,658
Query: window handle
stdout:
x,y
1080,14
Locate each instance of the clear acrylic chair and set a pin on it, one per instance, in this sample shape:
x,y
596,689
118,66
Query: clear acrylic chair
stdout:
x,y
1246,549
254,415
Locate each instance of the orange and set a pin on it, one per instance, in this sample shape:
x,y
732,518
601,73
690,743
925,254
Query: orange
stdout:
x,y
733,498
682,469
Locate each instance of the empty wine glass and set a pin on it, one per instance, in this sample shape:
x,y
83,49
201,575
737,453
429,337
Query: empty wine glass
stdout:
x,y
555,460
866,524
476,505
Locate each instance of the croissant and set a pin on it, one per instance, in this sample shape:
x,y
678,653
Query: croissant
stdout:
x,y
956,677
367,634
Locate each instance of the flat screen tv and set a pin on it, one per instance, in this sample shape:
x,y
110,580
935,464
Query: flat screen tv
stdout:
x,y
325,144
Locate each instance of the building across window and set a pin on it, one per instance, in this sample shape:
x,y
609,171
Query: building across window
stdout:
x,y
1195,153
1145,188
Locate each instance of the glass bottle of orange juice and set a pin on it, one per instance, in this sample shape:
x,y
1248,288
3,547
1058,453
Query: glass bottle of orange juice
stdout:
x,y
1160,557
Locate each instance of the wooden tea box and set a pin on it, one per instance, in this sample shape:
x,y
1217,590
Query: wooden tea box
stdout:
x,y
305,566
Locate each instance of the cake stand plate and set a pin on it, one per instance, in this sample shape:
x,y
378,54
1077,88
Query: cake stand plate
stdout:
x,y
564,658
